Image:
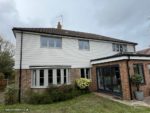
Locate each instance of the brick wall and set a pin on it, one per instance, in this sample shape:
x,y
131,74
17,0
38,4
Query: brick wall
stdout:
x,y
146,86
26,80
125,78
123,75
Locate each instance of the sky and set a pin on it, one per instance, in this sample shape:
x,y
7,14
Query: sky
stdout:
x,y
123,19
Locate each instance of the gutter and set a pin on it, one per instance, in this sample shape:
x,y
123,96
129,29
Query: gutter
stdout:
x,y
128,68
20,76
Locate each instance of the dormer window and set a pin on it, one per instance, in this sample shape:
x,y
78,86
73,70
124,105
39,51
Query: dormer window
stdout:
x,y
119,47
51,42
84,45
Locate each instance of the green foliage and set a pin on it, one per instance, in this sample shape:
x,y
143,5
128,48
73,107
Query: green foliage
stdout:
x,y
54,94
6,63
11,94
137,80
83,83
36,98
1,76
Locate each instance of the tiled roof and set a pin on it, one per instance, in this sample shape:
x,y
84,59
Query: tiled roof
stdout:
x,y
70,33
144,51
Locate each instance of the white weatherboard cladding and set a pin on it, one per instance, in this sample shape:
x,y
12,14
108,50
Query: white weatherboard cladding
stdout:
x,y
69,54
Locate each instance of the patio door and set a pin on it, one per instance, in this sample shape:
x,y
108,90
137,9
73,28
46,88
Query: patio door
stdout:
x,y
108,79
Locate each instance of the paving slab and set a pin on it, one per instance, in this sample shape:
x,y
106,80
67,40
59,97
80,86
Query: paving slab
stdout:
x,y
145,102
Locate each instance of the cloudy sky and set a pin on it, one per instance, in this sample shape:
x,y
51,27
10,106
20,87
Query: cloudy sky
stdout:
x,y
123,19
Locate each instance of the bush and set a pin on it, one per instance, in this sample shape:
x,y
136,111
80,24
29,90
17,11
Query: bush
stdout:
x,y
11,94
137,80
83,83
2,76
60,93
54,94
36,98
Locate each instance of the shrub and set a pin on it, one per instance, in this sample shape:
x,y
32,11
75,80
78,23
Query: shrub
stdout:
x,y
11,93
83,83
137,80
1,76
53,94
36,98
60,93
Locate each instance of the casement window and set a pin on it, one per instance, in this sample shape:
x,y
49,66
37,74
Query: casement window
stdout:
x,y
42,78
84,44
138,69
85,72
65,77
58,76
51,42
119,47
34,77
50,76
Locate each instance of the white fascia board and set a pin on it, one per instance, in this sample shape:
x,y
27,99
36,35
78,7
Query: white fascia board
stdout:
x,y
109,60
139,58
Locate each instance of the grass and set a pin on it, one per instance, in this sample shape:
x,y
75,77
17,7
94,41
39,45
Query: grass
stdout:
x,y
88,103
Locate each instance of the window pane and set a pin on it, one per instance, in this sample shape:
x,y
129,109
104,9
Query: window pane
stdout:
x,y
34,78
82,73
87,73
117,47
58,76
84,44
58,43
138,69
51,42
65,79
50,76
44,42
41,77
125,48
114,47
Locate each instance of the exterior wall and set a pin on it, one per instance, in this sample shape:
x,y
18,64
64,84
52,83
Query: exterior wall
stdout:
x,y
123,75
26,80
146,86
125,78
69,54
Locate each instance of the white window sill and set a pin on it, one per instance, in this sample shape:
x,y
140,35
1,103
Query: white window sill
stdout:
x,y
39,87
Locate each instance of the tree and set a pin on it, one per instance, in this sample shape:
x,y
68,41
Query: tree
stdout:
x,y
6,57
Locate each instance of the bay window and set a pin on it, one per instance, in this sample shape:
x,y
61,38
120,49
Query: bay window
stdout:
x,y
42,78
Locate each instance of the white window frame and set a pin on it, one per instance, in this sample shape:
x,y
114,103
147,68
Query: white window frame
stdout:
x,y
85,76
55,39
36,72
83,48
119,47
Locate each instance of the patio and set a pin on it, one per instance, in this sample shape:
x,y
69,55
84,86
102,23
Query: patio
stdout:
x,y
145,102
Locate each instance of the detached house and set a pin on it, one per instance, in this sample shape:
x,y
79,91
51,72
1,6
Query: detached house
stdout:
x,y
56,56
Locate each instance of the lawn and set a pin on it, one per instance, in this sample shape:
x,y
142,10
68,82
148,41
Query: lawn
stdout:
x,y
88,103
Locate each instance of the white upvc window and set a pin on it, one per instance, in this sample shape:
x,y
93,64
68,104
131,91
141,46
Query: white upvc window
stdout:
x,y
51,42
42,78
85,72
119,47
84,44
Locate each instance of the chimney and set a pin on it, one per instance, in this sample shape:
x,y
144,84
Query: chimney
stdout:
x,y
59,26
